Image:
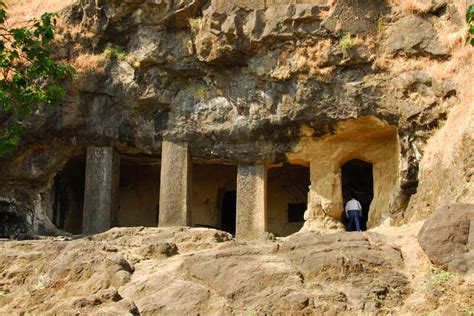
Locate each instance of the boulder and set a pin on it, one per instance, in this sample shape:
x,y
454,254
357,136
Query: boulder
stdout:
x,y
412,35
447,237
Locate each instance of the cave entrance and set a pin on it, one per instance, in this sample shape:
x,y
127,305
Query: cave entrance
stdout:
x,y
357,177
287,198
139,191
68,199
214,199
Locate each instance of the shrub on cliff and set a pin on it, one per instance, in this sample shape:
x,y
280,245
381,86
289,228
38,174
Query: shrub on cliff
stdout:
x,y
29,78
470,23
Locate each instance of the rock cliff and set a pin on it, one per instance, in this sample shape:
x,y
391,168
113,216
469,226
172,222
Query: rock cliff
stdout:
x,y
313,83
247,82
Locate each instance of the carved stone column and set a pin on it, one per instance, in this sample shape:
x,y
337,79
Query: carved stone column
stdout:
x,y
101,189
251,201
176,185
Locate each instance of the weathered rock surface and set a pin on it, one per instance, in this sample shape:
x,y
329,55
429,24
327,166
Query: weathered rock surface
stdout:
x,y
244,84
447,237
404,40
149,271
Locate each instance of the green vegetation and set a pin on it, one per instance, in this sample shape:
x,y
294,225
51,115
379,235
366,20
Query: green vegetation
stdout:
x,y
195,24
346,42
112,51
468,311
438,22
470,23
199,91
439,279
29,78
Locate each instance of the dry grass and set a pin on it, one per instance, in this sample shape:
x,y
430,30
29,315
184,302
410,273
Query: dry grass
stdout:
x,y
413,6
88,63
22,11
309,58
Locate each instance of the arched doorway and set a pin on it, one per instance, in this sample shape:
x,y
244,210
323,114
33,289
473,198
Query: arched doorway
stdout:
x,y
357,177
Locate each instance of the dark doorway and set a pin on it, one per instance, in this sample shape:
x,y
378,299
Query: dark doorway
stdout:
x,y
229,211
357,177
69,196
214,196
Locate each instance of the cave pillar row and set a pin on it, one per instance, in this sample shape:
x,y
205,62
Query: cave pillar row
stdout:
x,y
251,201
176,185
101,189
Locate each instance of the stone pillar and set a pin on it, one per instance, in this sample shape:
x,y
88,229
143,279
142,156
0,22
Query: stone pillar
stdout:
x,y
176,185
251,201
325,204
101,189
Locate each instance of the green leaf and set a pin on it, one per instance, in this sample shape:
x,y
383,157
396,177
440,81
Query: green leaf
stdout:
x,y
34,80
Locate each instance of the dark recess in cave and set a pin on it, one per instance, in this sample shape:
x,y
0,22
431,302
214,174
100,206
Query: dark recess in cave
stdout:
x,y
69,196
357,177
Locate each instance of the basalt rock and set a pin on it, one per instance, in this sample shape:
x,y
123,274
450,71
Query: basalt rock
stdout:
x,y
241,82
447,237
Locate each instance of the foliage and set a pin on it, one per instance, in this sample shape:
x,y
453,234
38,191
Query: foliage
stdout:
x,y
112,51
195,24
440,279
470,23
29,78
346,42
199,91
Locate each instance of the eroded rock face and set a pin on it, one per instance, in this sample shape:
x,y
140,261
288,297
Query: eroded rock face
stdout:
x,y
248,82
402,39
447,237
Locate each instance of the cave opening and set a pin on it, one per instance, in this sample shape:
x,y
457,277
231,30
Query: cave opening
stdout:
x,y
357,177
139,191
214,200
68,199
287,198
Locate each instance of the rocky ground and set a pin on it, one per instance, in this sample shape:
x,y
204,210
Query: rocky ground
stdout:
x,y
184,271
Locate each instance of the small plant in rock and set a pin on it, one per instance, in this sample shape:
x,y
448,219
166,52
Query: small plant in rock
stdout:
x,y
199,91
470,23
380,24
195,24
346,42
438,22
112,51
438,279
